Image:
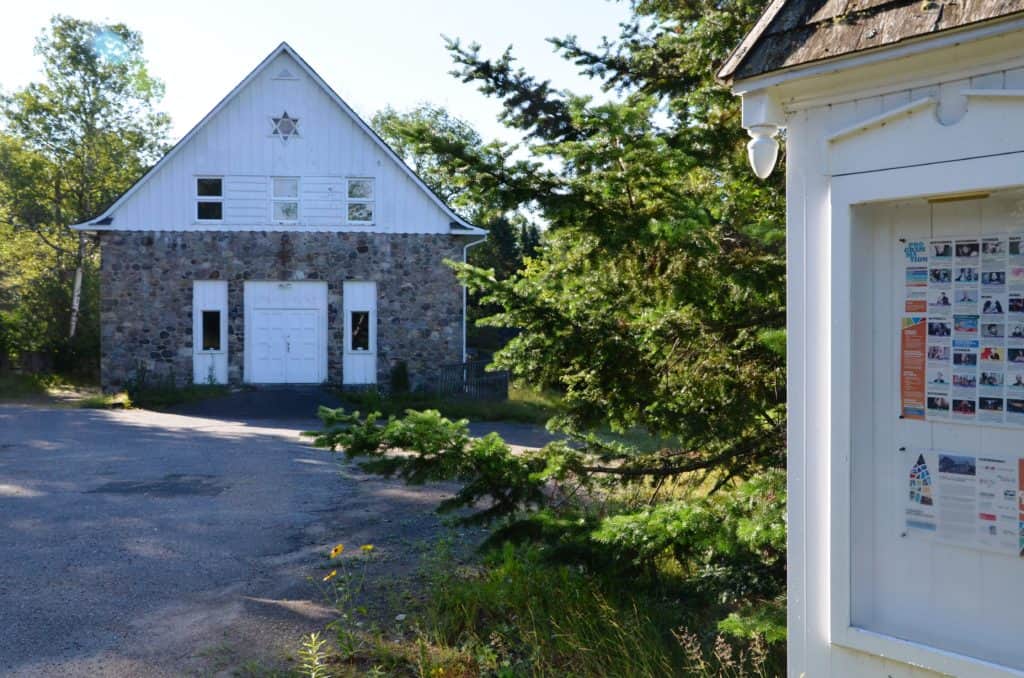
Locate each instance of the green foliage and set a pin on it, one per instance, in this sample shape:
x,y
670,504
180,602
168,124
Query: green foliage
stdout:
x,y
524,405
727,548
655,303
454,161
159,391
69,145
658,295
526,616
313,657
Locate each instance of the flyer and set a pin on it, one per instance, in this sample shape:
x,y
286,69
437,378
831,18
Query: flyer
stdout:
x,y
965,500
912,377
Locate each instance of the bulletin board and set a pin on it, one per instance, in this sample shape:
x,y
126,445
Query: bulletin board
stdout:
x,y
937,351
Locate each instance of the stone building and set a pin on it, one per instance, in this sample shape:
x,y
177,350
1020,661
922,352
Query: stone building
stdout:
x,y
280,241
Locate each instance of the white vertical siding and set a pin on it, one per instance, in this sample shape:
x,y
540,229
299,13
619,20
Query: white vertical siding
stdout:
x,y
237,144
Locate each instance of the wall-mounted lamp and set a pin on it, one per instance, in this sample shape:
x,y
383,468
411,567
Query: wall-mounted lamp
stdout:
x,y
763,149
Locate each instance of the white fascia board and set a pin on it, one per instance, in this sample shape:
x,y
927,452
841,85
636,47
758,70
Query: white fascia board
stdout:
x,y
283,48
471,230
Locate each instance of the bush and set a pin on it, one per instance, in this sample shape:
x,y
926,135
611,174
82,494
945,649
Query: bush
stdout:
x,y
159,391
723,551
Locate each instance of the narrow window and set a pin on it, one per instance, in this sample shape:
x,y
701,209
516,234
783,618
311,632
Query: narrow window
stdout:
x,y
360,201
211,330
209,199
285,199
360,330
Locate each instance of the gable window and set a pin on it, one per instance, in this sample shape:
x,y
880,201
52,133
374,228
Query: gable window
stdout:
x,y
285,199
209,198
360,201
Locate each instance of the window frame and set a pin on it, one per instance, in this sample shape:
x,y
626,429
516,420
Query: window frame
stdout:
x,y
361,201
199,199
350,334
274,200
220,331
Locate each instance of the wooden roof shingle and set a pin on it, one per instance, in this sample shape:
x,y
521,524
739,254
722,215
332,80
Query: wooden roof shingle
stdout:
x,y
794,32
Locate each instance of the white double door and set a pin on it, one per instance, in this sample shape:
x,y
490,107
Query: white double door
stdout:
x,y
286,331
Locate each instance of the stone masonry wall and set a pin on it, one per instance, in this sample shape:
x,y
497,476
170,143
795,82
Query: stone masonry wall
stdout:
x,y
146,295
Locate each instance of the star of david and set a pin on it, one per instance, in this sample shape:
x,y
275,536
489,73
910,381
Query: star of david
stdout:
x,y
285,127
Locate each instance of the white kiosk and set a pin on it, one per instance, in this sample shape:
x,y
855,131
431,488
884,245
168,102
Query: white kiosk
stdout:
x,y
904,132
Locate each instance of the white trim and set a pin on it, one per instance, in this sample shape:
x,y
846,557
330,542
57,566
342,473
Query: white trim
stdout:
x,y
209,295
274,199
283,48
207,198
883,118
372,201
465,298
989,173
974,93
249,307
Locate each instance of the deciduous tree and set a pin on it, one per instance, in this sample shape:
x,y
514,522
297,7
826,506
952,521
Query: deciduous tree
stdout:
x,y
77,139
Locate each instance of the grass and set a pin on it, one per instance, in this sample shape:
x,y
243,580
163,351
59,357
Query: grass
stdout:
x,y
163,397
523,405
515,613
58,390
51,389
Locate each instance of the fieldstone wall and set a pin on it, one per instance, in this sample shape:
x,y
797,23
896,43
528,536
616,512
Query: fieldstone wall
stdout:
x,y
146,295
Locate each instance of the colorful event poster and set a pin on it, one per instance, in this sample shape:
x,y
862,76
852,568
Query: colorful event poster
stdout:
x,y
912,376
916,276
968,292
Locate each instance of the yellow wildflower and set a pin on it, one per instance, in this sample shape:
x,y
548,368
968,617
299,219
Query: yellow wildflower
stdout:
x,y
337,550
366,548
332,575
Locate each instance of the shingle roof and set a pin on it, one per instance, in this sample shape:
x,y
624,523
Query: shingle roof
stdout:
x,y
794,32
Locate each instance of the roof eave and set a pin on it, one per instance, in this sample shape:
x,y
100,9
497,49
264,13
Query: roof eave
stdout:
x,y
737,55
908,45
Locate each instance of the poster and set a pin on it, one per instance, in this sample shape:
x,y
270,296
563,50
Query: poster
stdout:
x,y
967,295
913,375
973,501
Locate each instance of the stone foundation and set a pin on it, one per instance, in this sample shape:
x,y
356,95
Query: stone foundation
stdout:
x,y
146,296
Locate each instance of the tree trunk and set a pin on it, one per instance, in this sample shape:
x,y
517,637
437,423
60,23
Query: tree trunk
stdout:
x,y
76,293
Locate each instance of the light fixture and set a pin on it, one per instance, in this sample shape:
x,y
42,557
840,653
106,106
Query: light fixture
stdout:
x,y
763,149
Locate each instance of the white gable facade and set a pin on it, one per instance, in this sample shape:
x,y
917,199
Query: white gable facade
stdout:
x,y
280,241
905,217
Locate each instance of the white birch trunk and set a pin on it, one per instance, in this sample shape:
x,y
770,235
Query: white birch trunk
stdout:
x,y
76,293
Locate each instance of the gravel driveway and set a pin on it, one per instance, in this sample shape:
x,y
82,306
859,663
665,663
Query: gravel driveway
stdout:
x,y
136,543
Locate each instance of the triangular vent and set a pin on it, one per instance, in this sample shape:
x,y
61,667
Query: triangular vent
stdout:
x,y
285,74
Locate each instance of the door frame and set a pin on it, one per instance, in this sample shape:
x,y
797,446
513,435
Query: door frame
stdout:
x,y
347,310
274,295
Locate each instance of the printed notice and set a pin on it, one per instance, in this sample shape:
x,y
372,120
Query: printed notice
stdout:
x,y
965,500
912,379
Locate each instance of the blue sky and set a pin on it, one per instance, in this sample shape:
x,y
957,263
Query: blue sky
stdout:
x,y
372,52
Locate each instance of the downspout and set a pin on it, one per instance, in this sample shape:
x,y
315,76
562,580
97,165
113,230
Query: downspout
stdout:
x,y
465,298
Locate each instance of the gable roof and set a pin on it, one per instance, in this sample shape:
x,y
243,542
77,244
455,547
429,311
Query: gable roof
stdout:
x,y
794,32
458,225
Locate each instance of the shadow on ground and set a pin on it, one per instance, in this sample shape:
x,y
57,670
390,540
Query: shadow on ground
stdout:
x,y
142,543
